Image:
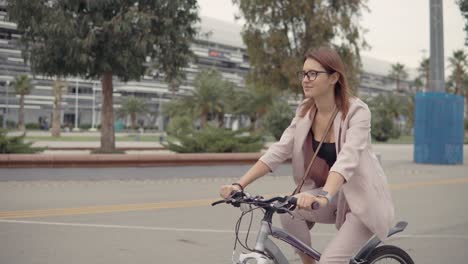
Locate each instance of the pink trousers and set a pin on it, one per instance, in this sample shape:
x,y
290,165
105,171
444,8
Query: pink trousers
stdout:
x,y
352,235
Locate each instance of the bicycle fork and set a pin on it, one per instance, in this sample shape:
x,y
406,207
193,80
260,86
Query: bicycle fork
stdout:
x,y
263,246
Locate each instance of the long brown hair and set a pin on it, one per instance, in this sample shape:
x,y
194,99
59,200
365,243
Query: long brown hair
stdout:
x,y
331,61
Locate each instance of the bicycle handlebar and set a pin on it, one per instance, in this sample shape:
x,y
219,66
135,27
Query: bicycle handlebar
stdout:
x,y
277,203
314,206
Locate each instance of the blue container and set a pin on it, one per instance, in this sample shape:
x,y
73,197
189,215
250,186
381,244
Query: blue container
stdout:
x,y
438,128
118,126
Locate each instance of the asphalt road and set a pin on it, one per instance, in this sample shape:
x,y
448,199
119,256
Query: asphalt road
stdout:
x,y
162,215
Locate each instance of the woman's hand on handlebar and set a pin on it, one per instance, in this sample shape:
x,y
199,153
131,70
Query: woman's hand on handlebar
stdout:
x,y
226,190
306,200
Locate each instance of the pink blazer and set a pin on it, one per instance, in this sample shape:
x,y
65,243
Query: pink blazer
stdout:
x,y
366,192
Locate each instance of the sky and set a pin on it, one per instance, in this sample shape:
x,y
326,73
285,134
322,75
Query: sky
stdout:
x,y
397,30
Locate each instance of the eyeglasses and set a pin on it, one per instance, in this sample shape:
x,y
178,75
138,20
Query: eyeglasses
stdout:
x,y
311,75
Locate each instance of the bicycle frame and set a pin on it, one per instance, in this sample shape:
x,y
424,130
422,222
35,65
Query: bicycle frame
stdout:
x,y
265,244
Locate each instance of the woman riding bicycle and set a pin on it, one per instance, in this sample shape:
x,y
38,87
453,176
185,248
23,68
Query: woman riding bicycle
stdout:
x,y
345,179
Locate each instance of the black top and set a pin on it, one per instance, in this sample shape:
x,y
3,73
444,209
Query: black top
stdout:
x,y
327,152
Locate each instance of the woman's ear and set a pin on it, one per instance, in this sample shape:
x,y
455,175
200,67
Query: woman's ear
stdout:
x,y
334,77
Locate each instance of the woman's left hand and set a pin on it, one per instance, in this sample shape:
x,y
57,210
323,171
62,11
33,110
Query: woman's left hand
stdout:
x,y
305,200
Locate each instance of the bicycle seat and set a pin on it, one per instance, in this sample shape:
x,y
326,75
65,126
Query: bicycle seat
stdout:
x,y
399,227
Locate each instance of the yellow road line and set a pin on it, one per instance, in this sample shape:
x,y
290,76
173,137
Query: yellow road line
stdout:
x,y
174,204
104,209
428,183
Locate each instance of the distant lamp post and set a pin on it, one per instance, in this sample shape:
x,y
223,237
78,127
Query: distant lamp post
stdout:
x,y
93,121
76,106
5,114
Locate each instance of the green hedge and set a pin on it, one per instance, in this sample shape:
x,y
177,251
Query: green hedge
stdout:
x,y
213,140
32,126
15,144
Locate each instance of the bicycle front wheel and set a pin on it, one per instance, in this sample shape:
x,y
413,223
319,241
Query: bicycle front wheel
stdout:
x,y
389,254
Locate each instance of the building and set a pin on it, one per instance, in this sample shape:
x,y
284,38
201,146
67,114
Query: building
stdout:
x,y
375,80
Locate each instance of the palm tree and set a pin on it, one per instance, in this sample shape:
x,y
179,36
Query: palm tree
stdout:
x,y
465,90
254,103
398,73
458,62
209,95
417,83
182,106
463,5
57,90
132,106
423,70
386,112
23,86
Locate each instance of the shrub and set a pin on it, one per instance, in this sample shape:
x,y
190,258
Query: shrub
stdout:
x,y
85,126
278,118
32,126
385,111
382,127
179,126
213,140
15,144
11,124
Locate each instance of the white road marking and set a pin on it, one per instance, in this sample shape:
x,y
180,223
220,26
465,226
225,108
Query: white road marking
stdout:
x,y
154,228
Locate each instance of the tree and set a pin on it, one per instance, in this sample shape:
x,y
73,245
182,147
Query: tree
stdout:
x,y
277,34
107,38
23,86
423,70
181,106
463,4
132,106
465,91
278,118
57,91
458,62
398,73
210,99
209,96
386,110
407,107
417,83
253,102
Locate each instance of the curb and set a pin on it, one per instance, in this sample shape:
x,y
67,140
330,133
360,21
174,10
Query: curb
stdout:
x,y
124,160
97,148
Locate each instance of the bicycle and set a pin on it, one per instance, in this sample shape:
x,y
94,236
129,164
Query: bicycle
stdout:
x,y
267,252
